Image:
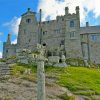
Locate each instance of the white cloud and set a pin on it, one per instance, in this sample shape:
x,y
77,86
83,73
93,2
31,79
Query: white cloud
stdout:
x,y
0,42
1,33
93,5
0,54
13,25
14,42
53,8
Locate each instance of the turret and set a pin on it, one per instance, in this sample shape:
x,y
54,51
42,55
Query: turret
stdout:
x,y
78,15
8,39
28,30
66,10
77,10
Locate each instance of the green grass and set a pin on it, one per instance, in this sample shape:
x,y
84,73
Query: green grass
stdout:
x,y
65,97
78,79
20,68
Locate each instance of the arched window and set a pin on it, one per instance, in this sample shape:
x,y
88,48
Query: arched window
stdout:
x,y
28,20
6,51
72,23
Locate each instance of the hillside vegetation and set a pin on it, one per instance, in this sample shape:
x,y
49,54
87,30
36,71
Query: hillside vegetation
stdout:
x,y
78,80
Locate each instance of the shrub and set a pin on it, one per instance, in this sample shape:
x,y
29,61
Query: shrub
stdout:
x,y
75,62
2,60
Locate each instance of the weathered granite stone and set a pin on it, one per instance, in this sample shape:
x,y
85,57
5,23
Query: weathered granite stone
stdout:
x,y
53,59
62,63
41,94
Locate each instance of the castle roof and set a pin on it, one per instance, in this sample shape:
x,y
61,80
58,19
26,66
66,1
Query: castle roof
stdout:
x,y
90,30
29,12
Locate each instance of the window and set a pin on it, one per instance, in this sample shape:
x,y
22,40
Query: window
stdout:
x,y
57,31
72,35
62,19
28,20
71,23
44,32
24,31
6,51
29,40
82,36
62,42
44,44
94,37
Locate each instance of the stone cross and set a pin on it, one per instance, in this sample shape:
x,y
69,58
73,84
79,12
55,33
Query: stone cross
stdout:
x,y
40,74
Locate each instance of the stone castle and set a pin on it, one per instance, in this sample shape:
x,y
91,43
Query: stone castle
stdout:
x,y
63,35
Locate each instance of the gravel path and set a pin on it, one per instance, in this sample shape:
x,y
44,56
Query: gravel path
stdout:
x,y
19,89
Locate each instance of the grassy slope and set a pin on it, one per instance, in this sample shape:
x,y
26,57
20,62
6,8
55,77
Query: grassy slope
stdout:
x,y
76,79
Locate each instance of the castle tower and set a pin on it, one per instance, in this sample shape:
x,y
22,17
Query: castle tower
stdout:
x,y
9,49
72,38
8,39
28,31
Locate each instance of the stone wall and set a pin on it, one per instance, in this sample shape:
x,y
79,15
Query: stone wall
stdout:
x,y
9,50
59,36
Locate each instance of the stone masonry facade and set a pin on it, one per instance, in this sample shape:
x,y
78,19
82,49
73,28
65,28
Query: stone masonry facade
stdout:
x,y
61,36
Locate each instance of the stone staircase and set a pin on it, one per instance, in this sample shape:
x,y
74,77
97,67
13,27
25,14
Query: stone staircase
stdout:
x,y
4,70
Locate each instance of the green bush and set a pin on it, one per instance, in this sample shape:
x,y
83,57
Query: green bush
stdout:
x,y
20,68
2,60
75,62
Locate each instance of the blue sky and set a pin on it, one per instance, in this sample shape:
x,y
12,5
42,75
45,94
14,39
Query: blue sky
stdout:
x,y
11,11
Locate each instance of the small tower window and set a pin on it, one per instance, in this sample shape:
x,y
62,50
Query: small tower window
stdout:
x,y
6,51
62,42
29,40
24,31
28,20
44,32
72,23
72,35
94,37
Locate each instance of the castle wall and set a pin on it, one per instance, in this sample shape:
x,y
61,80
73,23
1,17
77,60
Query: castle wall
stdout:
x,y
94,47
90,37
53,33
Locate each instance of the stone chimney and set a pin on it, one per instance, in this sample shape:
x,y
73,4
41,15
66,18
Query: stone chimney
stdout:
x,y
77,10
87,24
